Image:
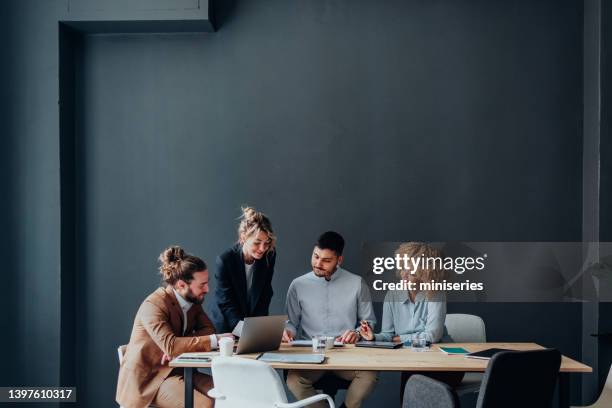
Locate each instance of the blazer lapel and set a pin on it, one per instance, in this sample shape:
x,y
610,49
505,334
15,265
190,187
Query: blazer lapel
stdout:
x,y
240,280
176,313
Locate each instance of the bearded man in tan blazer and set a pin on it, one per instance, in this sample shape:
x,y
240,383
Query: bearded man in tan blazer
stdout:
x,y
169,322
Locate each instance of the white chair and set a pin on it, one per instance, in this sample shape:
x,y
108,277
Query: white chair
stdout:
x,y
121,352
605,398
465,328
241,382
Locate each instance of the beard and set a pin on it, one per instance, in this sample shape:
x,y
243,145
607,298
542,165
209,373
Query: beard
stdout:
x,y
190,297
325,273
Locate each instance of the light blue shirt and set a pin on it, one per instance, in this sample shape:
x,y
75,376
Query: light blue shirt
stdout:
x,y
317,306
422,319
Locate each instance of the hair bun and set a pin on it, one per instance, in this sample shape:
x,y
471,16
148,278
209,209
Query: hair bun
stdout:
x,y
172,255
248,213
176,264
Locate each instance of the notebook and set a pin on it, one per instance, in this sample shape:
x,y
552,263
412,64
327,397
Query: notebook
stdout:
x,y
379,344
292,358
486,354
453,350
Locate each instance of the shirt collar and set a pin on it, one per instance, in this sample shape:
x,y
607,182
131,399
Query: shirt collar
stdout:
x,y
418,298
336,274
185,305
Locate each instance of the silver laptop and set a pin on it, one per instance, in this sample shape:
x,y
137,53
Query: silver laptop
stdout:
x,y
261,334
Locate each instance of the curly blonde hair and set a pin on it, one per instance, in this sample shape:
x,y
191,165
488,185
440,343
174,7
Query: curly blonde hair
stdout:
x,y
426,271
253,222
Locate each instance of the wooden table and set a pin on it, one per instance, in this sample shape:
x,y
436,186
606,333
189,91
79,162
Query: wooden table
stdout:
x,y
350,357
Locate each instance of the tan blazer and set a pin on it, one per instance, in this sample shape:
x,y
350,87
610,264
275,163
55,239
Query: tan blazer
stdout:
x,y
157,330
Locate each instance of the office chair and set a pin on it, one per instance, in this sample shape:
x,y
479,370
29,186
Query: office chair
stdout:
x,y
241,382
605,398
425,392
466,328
513,379
523,379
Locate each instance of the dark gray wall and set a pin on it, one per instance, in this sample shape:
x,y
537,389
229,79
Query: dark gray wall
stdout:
x,y
6,166
386,121
591,177
605,309
31,61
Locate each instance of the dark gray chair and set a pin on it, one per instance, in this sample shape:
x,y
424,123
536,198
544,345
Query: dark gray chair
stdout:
x,y
523,379
425,392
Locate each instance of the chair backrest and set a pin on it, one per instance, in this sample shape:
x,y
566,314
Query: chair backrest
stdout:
x,y
121,352
425,392
523,379
243,382
465,328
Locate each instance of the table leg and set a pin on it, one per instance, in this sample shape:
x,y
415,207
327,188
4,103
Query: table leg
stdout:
x,y
188,387
563,390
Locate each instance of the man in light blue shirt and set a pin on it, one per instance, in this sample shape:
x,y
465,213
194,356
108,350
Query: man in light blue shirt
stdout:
x,y
329,301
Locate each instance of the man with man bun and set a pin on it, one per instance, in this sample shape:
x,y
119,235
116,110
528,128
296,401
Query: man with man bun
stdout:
x,y
169,322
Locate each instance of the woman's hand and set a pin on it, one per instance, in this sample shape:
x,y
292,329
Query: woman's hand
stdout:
x,y
366,331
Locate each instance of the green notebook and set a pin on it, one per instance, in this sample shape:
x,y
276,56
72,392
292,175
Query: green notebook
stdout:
x,y
453,350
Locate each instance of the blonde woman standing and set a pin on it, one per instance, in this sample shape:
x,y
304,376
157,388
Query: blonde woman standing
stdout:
x,y
244,273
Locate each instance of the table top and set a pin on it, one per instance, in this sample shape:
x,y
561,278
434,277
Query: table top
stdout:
x,y
350,357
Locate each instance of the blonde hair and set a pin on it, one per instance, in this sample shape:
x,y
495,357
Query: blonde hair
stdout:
x,y
177,265
253,222
426,271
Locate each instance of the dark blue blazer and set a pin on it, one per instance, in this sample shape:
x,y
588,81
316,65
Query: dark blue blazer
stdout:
x,y
229,304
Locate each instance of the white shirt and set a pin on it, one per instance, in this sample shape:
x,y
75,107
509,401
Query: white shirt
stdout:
x,y
185,306
248,269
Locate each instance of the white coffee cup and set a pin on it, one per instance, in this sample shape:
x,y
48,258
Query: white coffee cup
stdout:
x,y
226,346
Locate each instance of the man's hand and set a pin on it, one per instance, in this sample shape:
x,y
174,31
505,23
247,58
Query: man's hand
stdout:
x,y
366,331
165,359
396,339
221,335
287,336
349,337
